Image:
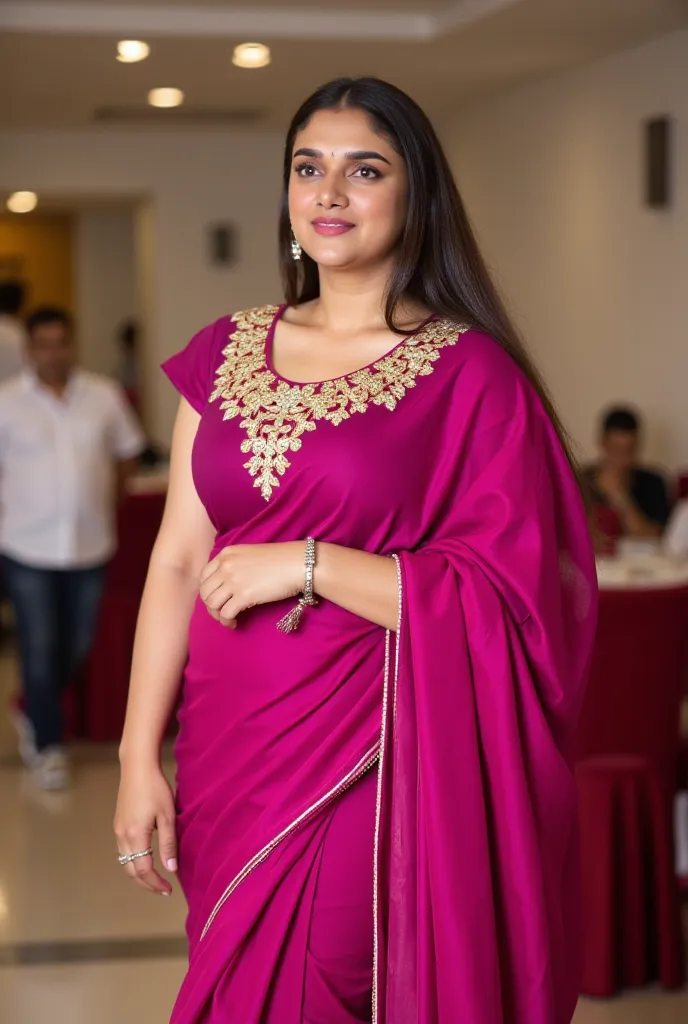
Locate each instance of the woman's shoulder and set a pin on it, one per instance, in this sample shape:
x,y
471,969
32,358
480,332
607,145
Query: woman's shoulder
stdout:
x,y
478,359
485,377
230,321
193,370
252,317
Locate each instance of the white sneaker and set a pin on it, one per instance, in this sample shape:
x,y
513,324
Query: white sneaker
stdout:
x,y
50,770
26,737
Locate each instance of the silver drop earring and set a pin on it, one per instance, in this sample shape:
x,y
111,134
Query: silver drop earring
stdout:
x,y
295,248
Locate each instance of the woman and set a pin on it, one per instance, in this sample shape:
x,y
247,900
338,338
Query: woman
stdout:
x,y
455,606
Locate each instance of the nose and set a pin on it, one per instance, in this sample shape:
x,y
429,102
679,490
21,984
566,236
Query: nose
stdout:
x,y
331,194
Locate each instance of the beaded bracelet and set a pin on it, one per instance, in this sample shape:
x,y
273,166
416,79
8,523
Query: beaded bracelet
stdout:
x,y
292,619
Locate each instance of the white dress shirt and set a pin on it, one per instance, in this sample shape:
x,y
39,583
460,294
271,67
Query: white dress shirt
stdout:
x,y
12,342
57,458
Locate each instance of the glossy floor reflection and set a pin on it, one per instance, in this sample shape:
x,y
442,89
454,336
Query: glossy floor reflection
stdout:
x,y
81,945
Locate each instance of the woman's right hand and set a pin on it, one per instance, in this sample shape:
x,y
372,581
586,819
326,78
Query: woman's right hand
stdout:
x,y
145,804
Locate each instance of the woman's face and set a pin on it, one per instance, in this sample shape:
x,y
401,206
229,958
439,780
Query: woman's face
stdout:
x,y
347,191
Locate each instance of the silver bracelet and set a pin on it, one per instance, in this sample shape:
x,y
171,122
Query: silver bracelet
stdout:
x,y
308,598
292,619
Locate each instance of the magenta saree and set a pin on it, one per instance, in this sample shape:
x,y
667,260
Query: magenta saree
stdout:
x,y
442,455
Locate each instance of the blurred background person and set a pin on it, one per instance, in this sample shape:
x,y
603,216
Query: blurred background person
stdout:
x,y
630,500
128,367
68,442
128,373
12,332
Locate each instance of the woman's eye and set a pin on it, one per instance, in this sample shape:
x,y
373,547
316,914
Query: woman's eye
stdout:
x,y
364,171
306,170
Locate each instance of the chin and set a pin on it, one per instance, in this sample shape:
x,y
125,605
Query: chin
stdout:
x,y
348,258
338,262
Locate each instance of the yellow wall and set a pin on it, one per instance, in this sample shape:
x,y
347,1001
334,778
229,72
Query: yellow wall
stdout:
x,y
38,251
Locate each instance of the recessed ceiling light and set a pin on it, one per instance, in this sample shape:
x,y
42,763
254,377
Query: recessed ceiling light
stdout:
x,y
22,202
251,55
166,97
129,51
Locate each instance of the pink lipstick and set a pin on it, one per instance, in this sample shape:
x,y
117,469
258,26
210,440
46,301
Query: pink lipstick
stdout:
x,y
330,226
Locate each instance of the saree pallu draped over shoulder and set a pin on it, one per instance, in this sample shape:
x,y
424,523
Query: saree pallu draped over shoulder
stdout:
x,y
442,456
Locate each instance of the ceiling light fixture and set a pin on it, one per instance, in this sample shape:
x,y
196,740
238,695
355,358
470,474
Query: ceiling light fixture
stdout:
x,y
166,97
130,51
251,55
22,202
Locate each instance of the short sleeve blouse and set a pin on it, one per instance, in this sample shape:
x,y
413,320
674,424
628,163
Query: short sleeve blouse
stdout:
x,y
192,371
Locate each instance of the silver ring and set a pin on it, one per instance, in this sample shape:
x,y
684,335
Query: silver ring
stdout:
x,y
127,858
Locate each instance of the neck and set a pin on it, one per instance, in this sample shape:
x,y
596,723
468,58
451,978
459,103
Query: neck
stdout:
x,y
611,468
354,301
58,385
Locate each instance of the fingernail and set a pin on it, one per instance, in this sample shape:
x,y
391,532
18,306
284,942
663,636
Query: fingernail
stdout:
x,y
165,892
171,864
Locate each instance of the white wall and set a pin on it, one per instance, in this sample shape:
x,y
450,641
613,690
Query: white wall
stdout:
x,y
187,181
105,280
552,176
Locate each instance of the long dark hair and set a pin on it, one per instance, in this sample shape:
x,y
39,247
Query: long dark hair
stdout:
x,y
438,260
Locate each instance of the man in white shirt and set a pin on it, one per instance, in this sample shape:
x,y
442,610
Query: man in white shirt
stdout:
x,y
68,440
12,333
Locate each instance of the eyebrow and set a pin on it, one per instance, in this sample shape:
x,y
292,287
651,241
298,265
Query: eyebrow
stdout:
x,y
359,154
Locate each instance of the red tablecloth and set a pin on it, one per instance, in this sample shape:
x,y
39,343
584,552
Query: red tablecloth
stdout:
x,y
106,682
627,765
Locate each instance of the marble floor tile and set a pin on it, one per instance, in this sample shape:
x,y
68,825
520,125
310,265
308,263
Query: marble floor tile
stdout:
x,y
81,944
140,992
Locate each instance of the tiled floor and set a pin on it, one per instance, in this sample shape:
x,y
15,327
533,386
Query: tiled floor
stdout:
x,y
79,944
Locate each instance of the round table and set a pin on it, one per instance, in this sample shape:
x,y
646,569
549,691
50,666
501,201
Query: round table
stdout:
x,y
641,572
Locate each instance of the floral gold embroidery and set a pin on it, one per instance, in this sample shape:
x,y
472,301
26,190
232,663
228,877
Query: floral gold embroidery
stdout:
x,y
275,414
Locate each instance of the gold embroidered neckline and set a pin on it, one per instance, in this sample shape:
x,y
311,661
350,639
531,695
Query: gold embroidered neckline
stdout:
x,y
270,363
275,413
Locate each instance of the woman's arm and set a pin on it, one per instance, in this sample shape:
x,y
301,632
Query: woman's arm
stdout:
x,y
245,575
362,583
160,650
635,523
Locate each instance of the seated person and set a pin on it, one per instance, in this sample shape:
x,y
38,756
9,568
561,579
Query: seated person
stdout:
x,y
638,496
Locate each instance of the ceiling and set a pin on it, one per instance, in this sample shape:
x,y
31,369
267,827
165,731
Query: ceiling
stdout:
x,y
390,5
57,66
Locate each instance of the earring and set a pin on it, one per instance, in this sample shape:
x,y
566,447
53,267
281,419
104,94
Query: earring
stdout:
x,y
295,248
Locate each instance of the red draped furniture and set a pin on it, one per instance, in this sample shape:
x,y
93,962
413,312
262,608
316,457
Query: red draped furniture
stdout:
x,y
627,759
106,682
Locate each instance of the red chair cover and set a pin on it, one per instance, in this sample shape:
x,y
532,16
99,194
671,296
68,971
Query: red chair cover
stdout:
x,y
631,902
627,753
106,681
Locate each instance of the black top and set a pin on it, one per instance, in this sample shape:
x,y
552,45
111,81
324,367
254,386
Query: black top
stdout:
x,y
648,490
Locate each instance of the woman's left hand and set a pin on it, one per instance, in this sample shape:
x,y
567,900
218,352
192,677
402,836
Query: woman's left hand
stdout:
x,y
245,575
